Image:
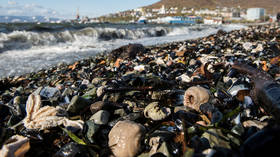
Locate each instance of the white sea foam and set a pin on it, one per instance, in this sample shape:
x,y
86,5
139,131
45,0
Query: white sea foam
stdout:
x,y
24,51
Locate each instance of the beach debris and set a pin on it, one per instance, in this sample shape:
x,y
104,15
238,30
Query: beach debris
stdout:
x,y
16,146
40,118
125,138
195,96
266,90
155,112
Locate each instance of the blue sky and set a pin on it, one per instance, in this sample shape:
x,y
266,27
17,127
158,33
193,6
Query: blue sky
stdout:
x,y
68,8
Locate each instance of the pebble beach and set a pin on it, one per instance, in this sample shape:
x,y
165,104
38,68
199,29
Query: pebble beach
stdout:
x,y
212,96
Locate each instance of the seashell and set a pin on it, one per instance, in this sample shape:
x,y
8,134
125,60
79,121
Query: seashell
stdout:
x,y
195,96
40,118
156,113
16,146
247,46
125,138
139,68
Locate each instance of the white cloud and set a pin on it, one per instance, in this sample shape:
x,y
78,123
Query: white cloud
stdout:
x,y
16,9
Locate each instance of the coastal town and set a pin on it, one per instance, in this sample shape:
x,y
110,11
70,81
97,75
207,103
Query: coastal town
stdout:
x,y
186,15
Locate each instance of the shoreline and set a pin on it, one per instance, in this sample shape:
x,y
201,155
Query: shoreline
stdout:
x,y
147,86
108,51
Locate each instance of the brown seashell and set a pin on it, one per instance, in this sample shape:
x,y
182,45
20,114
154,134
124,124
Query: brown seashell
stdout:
x,y
16,146
125,138
195,96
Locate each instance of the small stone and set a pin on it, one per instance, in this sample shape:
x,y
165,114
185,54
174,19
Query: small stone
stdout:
x,y
120,112
155,112
92,128
255,123
101,117
139,68
68,150
180,53
91,94
49,92
100,91
216,138
77,104
125,138
95,107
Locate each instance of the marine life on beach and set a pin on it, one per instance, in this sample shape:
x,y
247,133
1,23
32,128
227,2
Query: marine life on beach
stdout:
x,y
40,118
125,138
195,96
16,146
155,112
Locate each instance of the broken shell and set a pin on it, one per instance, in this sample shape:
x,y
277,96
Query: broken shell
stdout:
x,y
16,146
125,138
154,111
195,96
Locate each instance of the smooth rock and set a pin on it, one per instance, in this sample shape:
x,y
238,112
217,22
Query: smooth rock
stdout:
x,y
216,138
49,92
77,104
91,129
125,138
101,117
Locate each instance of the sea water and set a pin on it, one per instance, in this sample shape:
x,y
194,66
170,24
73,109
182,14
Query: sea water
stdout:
x,y
27,48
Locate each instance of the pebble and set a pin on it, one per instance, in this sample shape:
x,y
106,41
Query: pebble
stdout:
x,y
101,117
125,138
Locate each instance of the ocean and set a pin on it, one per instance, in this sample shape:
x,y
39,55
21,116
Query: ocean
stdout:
x,y
29,47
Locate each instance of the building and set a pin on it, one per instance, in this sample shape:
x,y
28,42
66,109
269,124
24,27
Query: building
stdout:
x,y
162,10
213,21
255,14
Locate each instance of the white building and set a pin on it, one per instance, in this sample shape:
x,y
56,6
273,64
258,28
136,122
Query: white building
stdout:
x,y
255,13
206,12
213,21
162,10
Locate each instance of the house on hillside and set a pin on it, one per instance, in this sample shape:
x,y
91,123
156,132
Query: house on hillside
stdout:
x,y
255,14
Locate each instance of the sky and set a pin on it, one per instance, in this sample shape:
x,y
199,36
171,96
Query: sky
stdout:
x,y
68,8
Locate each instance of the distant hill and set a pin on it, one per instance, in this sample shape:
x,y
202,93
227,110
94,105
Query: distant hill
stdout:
x,y
272,6
20,19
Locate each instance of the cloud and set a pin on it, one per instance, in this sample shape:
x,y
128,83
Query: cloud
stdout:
x,y
15,9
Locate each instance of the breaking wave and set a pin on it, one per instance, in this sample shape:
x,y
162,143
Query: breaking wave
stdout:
x,y
28,39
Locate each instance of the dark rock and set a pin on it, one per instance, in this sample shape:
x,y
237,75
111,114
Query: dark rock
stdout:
x,y
128,51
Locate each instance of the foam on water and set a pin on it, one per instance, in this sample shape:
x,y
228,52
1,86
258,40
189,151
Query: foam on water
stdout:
x,y
24,51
